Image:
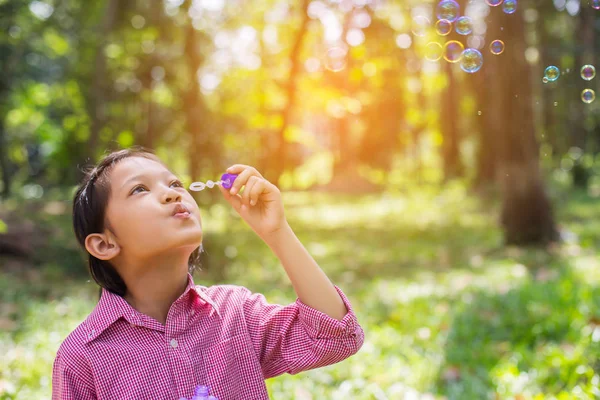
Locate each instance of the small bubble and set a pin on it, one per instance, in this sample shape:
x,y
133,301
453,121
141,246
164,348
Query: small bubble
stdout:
x,y
335,59
433,51
478,112
588,72
509,6
420,25
493,3
545,80
453,51
497,47
552,73
471,61
443,27
464,26
595,4
588,96
556,104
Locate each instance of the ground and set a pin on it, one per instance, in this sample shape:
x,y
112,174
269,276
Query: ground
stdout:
x,y
447,311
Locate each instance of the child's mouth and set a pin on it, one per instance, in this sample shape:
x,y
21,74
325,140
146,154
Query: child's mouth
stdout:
x,y
182,215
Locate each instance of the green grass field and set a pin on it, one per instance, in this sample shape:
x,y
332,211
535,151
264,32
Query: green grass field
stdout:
x,y
447,311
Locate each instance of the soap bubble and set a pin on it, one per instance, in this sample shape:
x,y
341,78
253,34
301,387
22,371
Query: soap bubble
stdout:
x,y
552,73
471,61
509,6
493,3
453,51
595,4
448,9
545,80
588,72
497,47
420,25
433,51
443,27
588,96
464,26
335,59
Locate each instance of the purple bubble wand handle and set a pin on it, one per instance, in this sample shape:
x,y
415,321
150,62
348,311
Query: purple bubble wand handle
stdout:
x,y
226,181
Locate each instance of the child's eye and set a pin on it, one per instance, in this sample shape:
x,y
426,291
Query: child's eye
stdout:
x,y
175,182
136,188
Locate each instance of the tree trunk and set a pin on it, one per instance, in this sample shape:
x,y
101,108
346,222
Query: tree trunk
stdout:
x,y
489,120
96,99
193,104
449,126
279,163
526,215
203,145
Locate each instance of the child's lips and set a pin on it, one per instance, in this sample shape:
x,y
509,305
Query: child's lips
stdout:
x,y
182,215
180,209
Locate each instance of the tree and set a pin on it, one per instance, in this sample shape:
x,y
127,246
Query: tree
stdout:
x,y
526,215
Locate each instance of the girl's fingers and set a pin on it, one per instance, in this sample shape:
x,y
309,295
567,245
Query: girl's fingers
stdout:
x,y
252,182
257,190
240,181
236,168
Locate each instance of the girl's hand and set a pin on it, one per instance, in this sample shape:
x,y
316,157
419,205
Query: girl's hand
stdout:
x,y
260,203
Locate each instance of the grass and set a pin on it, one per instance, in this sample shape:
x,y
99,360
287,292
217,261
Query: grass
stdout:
x,y
447,312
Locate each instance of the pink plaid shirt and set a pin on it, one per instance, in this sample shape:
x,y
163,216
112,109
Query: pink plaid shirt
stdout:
x,y
223,336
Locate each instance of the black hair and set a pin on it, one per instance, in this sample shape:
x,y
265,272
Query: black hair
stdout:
x,y
89,211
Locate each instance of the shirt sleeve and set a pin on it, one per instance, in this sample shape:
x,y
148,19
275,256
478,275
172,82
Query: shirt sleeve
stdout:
x,y
296,337
69,383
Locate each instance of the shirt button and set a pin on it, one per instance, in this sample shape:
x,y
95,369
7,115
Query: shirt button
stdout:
x,y
173,343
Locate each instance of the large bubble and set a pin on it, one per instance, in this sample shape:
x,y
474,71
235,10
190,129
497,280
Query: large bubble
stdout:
x,y
448,9
471,61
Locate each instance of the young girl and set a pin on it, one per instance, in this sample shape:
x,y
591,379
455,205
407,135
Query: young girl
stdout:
x,y
154,333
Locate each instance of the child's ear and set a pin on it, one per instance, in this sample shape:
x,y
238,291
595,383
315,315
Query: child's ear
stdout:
x,y
102,246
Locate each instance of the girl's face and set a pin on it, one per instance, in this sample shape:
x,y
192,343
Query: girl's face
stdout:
x,y
144,196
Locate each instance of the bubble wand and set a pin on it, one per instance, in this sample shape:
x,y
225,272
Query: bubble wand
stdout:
x,y
226,181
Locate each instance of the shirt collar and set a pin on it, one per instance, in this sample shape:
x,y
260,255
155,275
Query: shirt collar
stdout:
x,y
111,307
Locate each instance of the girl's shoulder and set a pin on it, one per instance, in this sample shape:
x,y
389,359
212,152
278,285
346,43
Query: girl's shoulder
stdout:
x,y
223,294
72,350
